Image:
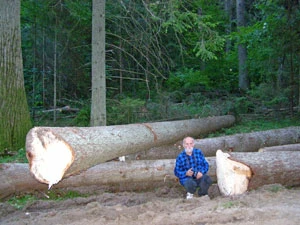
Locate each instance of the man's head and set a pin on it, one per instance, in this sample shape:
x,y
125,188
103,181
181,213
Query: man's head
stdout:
x,y
188,144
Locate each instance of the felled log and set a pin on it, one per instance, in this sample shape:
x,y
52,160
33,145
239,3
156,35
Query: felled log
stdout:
x,y
240,172
54,152
291,147
243,142
260,168
117,176
62,109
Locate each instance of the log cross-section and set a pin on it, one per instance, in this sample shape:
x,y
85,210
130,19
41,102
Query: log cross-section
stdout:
x,y
260,168
51,157
233,177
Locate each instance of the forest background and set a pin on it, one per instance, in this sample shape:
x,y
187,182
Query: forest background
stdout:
x,y
165,60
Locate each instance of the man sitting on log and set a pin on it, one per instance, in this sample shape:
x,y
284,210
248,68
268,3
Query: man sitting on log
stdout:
x,y
191,168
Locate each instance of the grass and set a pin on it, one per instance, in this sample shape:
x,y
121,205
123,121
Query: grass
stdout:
x,y
18,157
20,201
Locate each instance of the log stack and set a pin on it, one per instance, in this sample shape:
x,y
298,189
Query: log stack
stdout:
x,y
78,157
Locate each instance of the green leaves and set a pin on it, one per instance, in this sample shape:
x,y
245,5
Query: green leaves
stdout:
x,y
196,31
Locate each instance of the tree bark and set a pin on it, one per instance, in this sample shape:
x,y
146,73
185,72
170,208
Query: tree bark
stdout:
x,y
14,114
239,172
98,107
245,142
265,168
242,50
52,150
117,176
291,147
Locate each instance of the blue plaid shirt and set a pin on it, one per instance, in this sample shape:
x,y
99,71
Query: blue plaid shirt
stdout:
x,y
184,162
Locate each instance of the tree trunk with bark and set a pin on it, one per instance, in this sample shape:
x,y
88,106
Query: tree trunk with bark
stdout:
x,y
244,142
291,147
117,176
54,152
240,172
259,168
242,49
14,114
98,107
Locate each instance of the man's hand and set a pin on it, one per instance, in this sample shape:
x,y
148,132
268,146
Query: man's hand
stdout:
x,y
189,173
199,175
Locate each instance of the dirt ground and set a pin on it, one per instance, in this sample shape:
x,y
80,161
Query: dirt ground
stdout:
x,y
271,204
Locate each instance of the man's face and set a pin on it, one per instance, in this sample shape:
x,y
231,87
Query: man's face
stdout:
x,y
189,145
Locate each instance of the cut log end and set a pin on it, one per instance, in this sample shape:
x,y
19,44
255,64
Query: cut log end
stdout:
x,y
49,156
232,176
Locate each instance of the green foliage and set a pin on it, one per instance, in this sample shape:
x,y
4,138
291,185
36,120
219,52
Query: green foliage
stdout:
x,y
197,29
124,111
83,117
59,195
17,157
168,53
19,202
187,80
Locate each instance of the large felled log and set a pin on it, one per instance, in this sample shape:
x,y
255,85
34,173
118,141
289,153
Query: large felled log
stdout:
x,y
291,147
112,176
239,172
265,167
244,142
54,152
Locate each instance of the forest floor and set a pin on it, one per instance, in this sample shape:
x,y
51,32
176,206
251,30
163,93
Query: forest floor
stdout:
x,y
271,204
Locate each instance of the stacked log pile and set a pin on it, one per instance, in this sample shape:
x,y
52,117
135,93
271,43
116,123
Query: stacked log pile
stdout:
x,y
72,158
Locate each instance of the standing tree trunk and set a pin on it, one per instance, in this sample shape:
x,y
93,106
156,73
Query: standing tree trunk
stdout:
x,y
242,51
55,71
228,10
14,115
98,107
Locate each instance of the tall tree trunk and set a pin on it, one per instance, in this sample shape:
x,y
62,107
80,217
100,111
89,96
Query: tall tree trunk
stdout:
x,y
14,114
51,151
98,107
242,50
55,71
228,10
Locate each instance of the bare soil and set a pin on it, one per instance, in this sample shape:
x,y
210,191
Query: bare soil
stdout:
x,y
271,204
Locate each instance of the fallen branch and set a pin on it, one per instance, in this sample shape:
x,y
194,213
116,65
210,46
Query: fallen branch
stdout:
x,y
62,109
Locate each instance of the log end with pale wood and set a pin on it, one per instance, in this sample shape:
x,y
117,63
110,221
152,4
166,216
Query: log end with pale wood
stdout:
x,y
240,172
49,156
233,177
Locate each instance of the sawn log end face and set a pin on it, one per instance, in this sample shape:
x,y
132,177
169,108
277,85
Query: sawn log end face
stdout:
x,y
48,154
233,177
